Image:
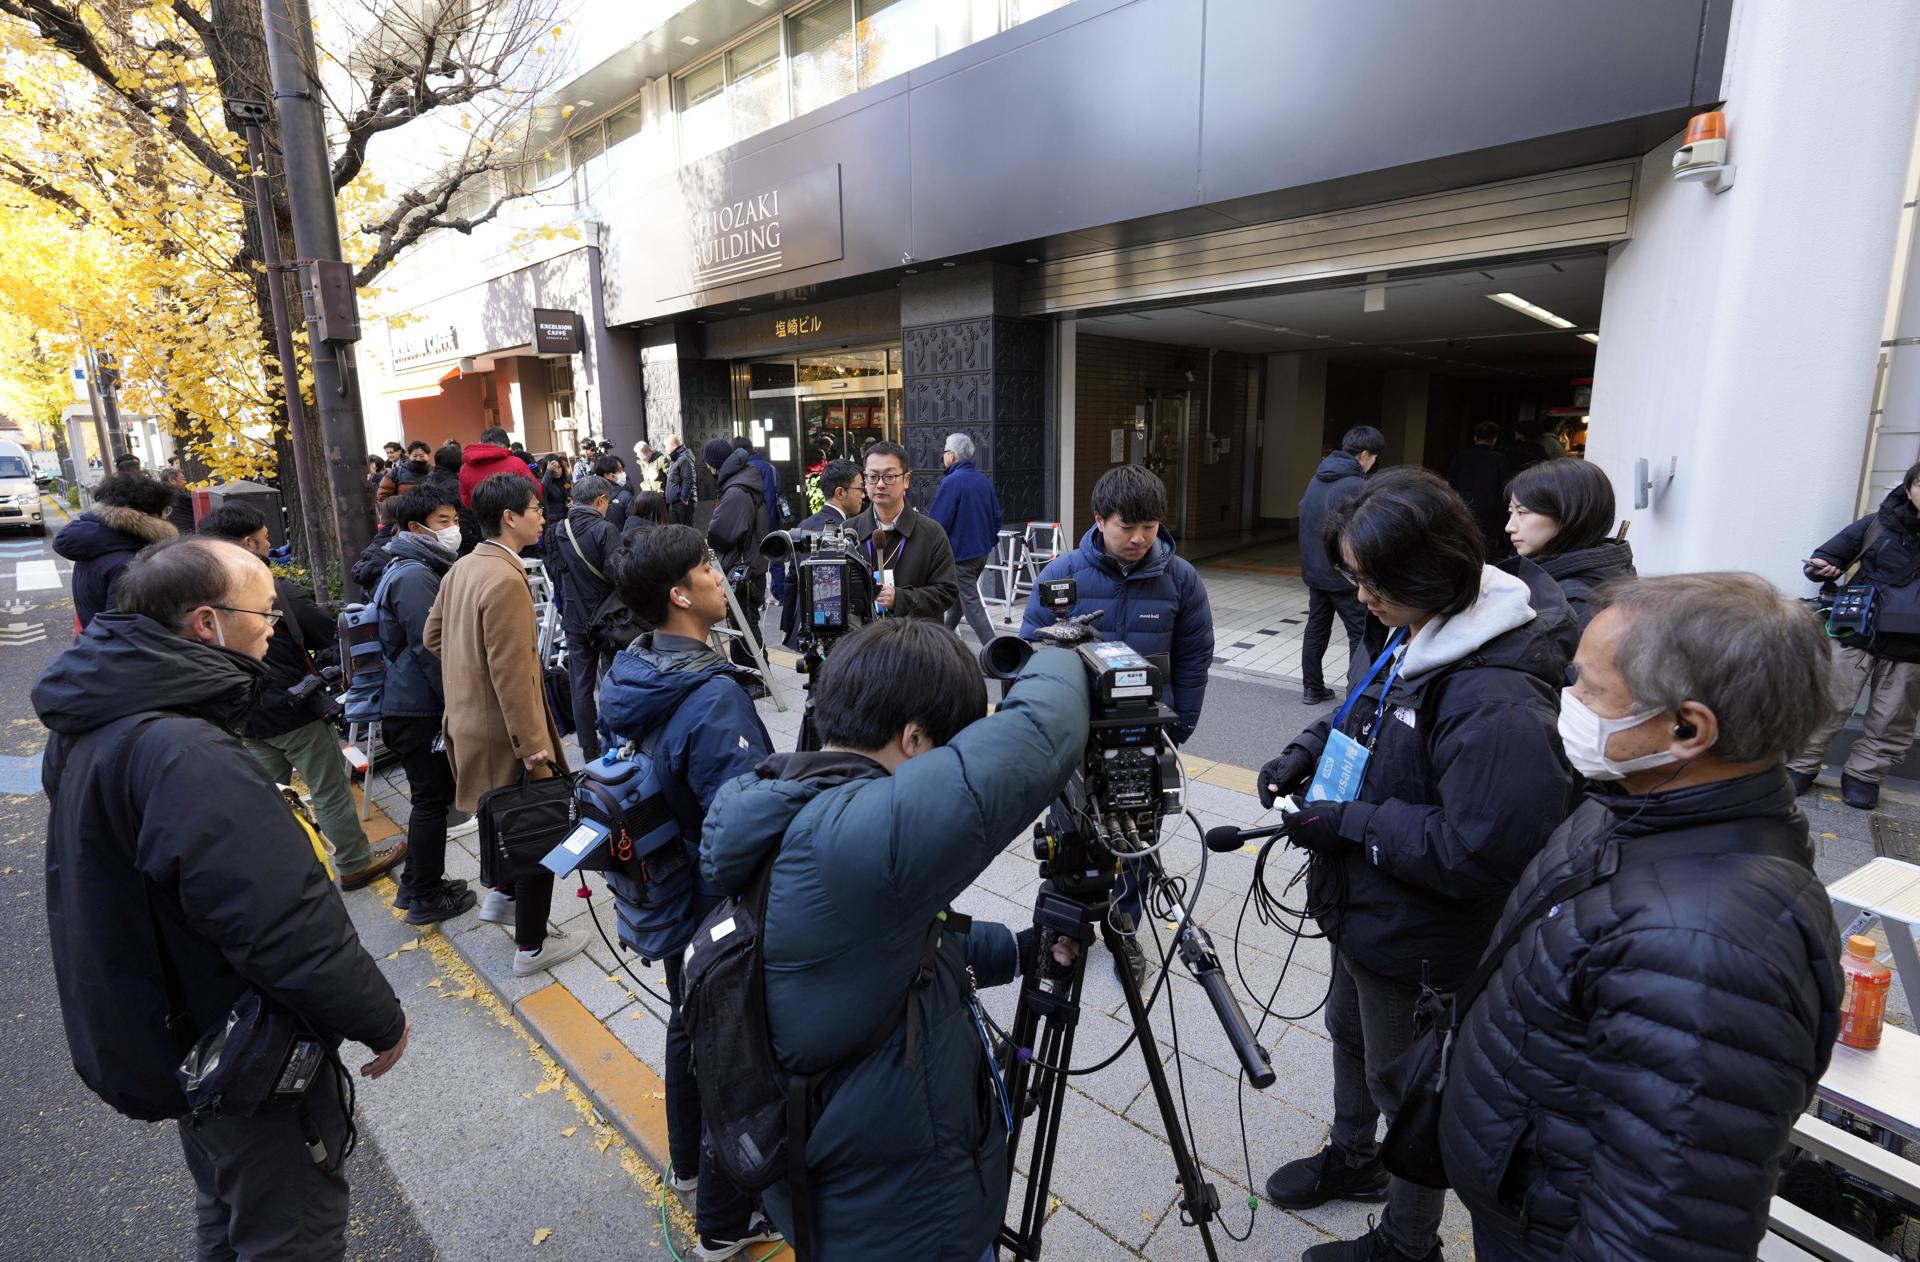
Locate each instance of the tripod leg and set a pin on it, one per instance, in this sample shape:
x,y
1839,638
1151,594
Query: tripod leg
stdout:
x,y
1054,1015
1197,1197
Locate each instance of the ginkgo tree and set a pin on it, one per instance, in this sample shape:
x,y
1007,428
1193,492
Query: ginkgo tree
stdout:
x,y
125,202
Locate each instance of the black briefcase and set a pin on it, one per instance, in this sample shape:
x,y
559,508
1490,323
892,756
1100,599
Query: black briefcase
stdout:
x,y
521,822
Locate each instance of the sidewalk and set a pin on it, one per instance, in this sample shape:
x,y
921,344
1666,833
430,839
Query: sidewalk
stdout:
x,y
1113,1189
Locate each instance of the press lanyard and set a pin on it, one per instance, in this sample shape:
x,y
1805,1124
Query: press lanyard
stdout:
x,y
1392,661
886,563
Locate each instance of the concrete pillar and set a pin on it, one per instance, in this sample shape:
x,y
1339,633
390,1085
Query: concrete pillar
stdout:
x,y
1403,415
1296,415
1066,360
1739,331
971,364
685,394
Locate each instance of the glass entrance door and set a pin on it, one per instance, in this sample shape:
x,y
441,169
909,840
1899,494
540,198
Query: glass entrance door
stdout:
x,y
816,408
1165,449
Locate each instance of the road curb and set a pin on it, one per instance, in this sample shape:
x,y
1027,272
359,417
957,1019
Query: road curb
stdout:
x,y
49,502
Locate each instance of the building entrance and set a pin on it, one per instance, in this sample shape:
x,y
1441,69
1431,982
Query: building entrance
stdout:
x,y
809,409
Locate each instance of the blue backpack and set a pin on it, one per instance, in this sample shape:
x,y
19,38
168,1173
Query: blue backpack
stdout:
x,y
629,831
363,665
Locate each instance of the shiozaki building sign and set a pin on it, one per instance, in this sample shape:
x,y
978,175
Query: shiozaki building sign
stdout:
x,y
792,223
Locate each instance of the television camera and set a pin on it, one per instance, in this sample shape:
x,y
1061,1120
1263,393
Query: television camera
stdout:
x,y
833,594
1108,815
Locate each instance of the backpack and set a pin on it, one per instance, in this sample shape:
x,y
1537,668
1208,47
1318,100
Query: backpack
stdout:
x,y
611,626
630,832
757,1115
363,664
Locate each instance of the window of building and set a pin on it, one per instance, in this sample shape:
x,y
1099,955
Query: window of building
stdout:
x,y
547,166
897,35
820,46
700,98
471,199
757,84
587,151
624,124
560,405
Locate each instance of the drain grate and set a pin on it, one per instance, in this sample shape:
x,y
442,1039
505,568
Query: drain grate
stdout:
x,y
1895,838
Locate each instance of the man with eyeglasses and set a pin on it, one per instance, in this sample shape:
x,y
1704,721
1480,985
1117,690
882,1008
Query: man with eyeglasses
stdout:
x,y
286,733
177,881
913,570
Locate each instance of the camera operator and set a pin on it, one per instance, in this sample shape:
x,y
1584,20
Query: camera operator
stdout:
x,y
692,710
870,839
1448,765
1886,545
288,732
1151,599
413,701
1624,1085
178,881
845,495
580,552
912,562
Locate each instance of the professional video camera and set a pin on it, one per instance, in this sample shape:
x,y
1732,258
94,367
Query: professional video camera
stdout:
x,y
833,594
316,693
1108,815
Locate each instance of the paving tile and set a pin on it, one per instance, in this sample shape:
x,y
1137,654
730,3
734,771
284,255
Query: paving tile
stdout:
x,y
590,984
1128,1187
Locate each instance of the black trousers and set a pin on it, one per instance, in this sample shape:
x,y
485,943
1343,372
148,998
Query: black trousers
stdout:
x,y
430,788
258,1194
585,665
1321,607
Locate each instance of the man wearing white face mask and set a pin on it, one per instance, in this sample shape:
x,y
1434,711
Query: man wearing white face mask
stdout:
x,y
413,703
1663,992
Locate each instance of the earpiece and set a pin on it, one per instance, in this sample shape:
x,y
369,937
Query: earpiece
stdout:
x,y
1684,730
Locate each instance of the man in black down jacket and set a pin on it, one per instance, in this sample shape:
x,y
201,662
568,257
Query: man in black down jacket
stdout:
x,y
683,488
1337,480
178,880
283,732
579,549
1623,1087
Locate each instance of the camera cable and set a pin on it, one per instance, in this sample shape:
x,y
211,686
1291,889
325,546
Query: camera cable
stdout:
x,y
619,956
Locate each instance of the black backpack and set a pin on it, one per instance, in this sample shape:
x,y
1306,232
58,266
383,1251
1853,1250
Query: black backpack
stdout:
x,y
757,1115
612,626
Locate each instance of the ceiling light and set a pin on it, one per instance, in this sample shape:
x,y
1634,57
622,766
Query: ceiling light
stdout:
x,y
743,308
913,271
689,40
946,265
1517,303
1590,337
1033,260
1255,324
583,103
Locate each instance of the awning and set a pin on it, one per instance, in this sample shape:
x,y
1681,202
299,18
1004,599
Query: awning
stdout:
x,y
421,385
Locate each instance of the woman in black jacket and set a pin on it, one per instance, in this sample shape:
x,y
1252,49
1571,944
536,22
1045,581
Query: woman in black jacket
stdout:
x,y
1425,797
1559,516
1624,1085
1886,544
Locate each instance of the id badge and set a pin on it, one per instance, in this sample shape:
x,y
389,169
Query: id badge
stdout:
x,y
882,578
1343,765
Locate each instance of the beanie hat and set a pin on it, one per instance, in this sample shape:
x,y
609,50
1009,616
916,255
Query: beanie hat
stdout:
x,y
716,452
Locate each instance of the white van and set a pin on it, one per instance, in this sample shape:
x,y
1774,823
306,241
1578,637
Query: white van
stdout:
x,y
19,494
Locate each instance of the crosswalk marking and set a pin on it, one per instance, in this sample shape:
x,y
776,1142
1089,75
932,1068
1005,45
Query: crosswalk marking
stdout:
x,y
32,576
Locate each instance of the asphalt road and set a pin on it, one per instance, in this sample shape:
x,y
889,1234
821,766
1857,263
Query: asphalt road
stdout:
x,y
79,1181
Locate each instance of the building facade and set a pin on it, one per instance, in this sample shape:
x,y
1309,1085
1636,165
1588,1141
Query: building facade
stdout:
x,y
1209,235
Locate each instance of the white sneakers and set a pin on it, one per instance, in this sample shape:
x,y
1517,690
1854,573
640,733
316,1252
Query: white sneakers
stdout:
x,y
557,949
496,908
457,831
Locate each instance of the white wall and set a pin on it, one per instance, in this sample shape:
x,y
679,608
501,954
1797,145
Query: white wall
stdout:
x,y
1739,331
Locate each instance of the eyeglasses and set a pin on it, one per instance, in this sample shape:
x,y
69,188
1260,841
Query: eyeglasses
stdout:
x,y
1346,573
882,479
272,616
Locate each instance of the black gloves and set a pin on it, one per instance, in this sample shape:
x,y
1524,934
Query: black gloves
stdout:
x,y
1316,828
1289,773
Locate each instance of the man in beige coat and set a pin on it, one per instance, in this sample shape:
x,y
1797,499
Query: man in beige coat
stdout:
x,y
498,726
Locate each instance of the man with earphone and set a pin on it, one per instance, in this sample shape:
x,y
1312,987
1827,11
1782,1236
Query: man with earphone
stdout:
x,y
690,712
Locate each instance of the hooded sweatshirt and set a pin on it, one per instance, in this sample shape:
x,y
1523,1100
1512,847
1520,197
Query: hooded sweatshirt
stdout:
x,y
405,598
100,542
1465,782
167,841
1580,571
480,461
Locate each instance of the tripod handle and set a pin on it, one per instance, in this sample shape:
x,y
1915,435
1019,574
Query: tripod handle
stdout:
x,y
1196,949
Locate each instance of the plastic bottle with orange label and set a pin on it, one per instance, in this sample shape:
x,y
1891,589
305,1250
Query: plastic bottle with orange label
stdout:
x,y
1863,1000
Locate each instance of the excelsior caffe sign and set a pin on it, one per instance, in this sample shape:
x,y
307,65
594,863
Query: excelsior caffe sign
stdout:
x,y
788,224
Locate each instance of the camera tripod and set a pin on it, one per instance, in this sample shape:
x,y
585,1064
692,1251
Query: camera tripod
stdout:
x,y
1044,1022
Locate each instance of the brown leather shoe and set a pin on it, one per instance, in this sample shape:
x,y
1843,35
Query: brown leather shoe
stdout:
x,y
384,861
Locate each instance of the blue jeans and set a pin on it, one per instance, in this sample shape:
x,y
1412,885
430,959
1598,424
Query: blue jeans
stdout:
x,y
720,1209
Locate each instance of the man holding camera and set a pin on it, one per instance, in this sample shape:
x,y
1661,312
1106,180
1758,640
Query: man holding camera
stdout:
x,y
911,559
291,728
844,495
178,881
691,711
871,837
1148,597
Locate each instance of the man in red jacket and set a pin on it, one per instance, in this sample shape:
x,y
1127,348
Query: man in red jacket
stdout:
x,y
481,460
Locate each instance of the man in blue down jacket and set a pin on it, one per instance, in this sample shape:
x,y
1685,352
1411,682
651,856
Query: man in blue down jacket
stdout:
x,y
875,834
1624,1086
1149,598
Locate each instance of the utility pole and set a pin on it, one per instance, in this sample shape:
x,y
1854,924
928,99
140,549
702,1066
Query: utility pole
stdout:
x,y
103,374
251,114
333,323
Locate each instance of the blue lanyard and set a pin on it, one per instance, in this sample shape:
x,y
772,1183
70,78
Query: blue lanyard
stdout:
x,y
1387,658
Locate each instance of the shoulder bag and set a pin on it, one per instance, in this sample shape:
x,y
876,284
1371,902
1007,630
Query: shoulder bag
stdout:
x,y
521,822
